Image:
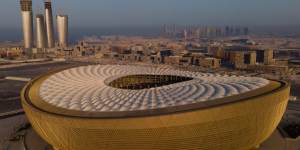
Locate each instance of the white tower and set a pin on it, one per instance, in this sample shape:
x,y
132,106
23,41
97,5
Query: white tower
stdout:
x,y
62,29
49,23
26,10
41,40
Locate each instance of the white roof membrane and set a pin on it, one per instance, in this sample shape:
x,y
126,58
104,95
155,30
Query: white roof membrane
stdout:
x,y
86,89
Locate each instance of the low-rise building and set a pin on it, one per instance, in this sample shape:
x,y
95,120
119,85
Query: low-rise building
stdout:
x,y
241,59
275,69
187,59
210,62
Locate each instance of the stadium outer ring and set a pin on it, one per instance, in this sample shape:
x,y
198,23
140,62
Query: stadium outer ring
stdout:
x,y
232,123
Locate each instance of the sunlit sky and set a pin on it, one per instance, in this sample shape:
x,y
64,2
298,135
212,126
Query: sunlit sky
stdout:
x,y
104,13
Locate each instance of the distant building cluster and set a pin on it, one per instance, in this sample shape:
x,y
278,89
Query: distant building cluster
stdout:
x,y
196,32
11,52
237,54
153,51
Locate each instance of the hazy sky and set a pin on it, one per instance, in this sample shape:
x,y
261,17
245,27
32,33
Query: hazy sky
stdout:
x,y
97,13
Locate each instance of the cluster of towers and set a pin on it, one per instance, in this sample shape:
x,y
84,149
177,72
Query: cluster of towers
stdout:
x,y
44,33
192,32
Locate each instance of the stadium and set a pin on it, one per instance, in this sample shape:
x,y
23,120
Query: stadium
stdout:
x,y
141,107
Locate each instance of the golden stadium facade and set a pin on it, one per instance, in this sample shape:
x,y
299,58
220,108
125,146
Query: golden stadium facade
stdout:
x,y
114,107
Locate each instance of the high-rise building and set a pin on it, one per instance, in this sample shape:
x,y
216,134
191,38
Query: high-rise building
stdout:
x,y
197,33
237,31
246,31
174,30
231,31
227,31
26,11
62,29
185,34
49,23
41,40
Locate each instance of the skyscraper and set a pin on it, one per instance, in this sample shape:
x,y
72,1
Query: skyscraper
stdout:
x,y
62,29
41,41
185,34
197,33
227,31
246,31
49,23
26,11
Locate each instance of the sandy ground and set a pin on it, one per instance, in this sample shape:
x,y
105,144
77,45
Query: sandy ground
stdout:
x,y
8,127
34,142
14,137
295,90
277,142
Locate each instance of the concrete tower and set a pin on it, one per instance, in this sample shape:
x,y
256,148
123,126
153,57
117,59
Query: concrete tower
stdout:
x,y
41,41
49,23
26,10
62,29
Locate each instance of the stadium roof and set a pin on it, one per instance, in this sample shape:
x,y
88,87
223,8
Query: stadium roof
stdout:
x,y
119,88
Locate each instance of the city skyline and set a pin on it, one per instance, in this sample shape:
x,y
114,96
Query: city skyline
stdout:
x,y
152,13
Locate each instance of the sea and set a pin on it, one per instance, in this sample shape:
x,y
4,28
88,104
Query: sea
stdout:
x,y
76,33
